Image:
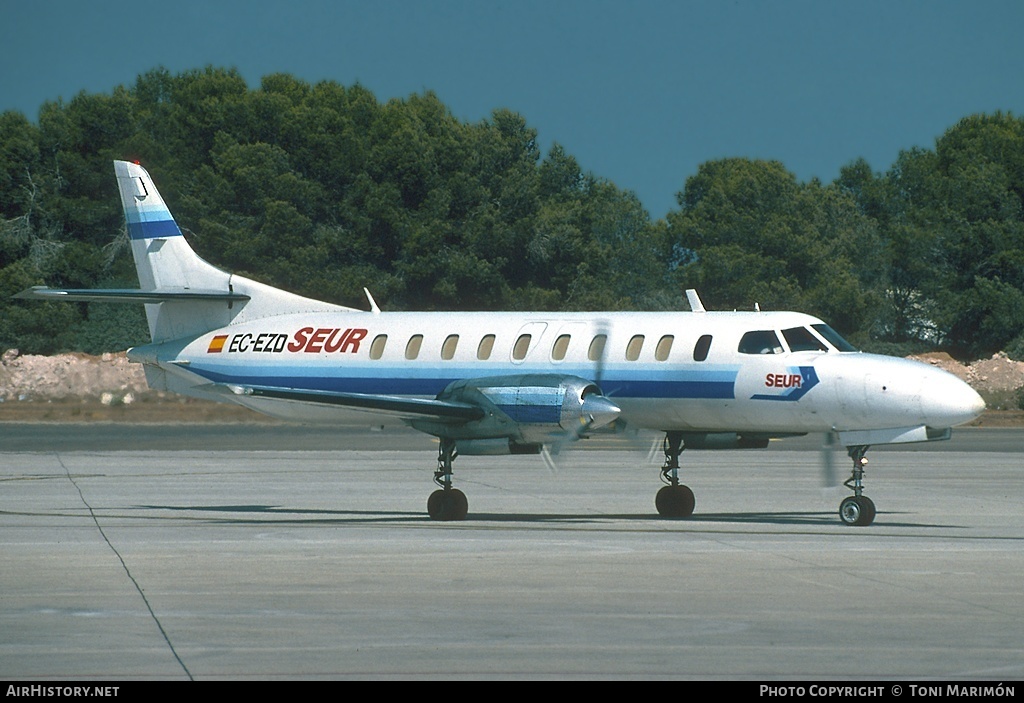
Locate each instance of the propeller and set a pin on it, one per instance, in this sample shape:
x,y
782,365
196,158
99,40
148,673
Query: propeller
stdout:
x,y
828,463
597,411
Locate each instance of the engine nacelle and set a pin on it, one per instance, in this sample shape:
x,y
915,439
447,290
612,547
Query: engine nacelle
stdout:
x,y
528,409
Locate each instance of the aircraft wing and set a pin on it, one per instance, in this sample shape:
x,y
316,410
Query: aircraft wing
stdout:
x,y
427,408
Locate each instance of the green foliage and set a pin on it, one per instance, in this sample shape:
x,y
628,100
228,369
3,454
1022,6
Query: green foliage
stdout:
x,y
32,327
108,327
1015,349
752,234
953,223
321,189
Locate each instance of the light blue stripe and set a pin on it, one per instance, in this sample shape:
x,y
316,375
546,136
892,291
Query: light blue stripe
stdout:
x,y
527,395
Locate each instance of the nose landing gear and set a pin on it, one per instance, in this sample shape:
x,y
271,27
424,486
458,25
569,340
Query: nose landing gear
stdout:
x,y
673,500
857,510
447,503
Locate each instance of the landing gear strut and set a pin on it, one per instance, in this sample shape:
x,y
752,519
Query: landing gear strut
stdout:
x,y
447,503
857,510
674,499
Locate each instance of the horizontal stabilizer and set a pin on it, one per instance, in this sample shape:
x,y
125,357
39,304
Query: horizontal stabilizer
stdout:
x,y
126,295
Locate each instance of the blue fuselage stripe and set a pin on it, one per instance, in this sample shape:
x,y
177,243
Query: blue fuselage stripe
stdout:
x,y
539,414
715,388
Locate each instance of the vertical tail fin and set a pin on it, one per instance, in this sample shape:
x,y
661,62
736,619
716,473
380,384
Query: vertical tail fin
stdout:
x,y
163,259
197,296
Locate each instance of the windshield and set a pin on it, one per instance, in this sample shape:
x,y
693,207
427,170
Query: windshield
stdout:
x,y
801,339
760,342
834,338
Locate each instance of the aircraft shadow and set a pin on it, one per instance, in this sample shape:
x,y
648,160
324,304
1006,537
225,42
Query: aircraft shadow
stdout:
x,y
804,519
276,514
287,516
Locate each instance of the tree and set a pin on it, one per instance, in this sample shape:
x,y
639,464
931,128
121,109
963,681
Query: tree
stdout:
x,y
749,233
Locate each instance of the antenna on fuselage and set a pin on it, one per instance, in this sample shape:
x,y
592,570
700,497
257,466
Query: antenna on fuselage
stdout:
x,y
694,300
373,303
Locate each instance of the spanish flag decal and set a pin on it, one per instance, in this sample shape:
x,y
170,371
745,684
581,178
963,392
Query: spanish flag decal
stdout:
x,y
217,344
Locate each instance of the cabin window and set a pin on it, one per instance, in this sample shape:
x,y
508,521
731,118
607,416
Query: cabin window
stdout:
x,y
560,347
449,347
664,347
412,349
596,350
522,347
702,347
377,346
760,342
486,346
801,339
633,349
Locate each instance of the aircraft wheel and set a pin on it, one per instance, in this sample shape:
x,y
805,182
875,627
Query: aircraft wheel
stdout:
x,y
675,501
858,511
447,505
434,505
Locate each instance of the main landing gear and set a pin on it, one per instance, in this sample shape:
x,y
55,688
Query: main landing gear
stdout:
x,y
673,500
447,503
857,510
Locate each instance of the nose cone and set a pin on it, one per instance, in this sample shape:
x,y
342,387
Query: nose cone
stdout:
x,y
884,392
946,401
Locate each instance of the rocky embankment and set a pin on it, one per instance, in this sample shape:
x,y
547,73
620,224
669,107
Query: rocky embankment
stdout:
x,y
109,378
108,387
84,388
999,379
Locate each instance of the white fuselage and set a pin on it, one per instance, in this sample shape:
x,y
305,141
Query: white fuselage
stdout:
x,y
666,371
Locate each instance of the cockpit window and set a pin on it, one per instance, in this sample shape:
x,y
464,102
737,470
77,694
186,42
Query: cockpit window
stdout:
x,y
760,342
801,339
833,338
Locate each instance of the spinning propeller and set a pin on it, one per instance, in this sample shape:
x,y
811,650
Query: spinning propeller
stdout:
x,y
598,410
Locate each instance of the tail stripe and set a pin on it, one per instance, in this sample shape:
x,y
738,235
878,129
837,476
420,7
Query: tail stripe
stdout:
x,y
140,227
144,210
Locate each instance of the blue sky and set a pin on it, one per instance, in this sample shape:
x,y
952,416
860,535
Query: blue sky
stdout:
x,y
640,92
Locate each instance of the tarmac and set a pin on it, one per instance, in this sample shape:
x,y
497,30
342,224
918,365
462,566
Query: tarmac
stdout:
x,y
261,553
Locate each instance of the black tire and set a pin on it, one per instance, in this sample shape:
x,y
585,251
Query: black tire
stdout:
x,y
459,505
447,505
857,511
675,501
869,510
434,505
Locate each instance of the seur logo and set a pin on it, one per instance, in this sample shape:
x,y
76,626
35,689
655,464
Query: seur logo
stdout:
x,y
307,340
795,384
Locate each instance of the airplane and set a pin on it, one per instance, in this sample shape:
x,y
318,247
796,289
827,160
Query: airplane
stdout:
x,y
487,383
